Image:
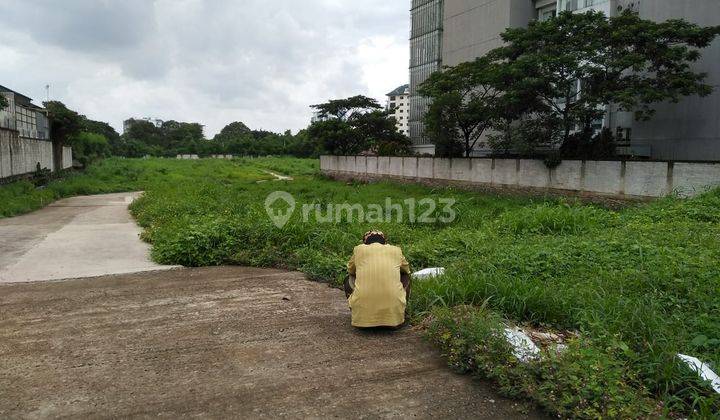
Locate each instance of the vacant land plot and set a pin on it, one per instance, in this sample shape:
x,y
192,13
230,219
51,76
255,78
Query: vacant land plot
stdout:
x,y
216,342
636,286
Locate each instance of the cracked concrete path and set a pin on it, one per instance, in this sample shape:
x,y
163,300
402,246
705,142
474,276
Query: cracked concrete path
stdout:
x,y
71,238
217,343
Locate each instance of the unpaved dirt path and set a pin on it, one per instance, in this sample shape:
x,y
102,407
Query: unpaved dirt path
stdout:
x,y
216,342
75,237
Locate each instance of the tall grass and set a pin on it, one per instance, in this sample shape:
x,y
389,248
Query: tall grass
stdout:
x,y
640,284
645,277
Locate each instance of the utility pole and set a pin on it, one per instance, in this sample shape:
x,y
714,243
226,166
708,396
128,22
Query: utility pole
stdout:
x,y
47,92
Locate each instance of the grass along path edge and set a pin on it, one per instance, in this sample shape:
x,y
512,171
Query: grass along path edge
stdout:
x,y
639,284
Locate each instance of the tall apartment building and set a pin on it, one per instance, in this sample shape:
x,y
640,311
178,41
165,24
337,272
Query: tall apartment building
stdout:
x,y
449,32
398,107
426,55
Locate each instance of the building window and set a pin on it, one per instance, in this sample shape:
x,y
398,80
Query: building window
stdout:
x,y
573,5
547,13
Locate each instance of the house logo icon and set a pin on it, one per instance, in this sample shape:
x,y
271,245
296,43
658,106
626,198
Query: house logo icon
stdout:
x,y
280,207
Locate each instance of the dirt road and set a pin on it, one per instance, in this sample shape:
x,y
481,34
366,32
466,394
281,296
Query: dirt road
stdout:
x,y
216,342
76,237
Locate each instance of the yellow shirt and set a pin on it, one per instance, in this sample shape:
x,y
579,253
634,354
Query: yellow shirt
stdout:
x,y
379,298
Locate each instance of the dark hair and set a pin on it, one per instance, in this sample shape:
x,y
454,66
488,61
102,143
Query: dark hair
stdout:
x,y
375,239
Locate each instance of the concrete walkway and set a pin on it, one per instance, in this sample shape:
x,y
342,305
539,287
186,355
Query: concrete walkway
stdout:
x,y
227,342
76,237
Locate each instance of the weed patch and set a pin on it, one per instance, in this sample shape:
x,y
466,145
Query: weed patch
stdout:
x,y
640,284
583,381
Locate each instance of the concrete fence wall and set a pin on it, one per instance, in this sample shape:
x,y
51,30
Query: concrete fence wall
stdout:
x,y
19,155
67,157
614,178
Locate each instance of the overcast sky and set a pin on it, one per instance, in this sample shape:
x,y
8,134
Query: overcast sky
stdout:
x,y
262,62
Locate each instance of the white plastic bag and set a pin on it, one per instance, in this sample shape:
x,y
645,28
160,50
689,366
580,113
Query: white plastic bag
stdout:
x,y
703,370
428,273
523,347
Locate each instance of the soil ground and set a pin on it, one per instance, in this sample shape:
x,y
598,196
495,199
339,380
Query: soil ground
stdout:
x,y
217,342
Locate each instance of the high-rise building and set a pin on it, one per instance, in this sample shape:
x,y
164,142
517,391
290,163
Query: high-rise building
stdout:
x,y
425,58
398,107
450,32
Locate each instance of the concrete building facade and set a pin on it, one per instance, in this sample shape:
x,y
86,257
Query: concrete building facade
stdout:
x,y
426,42
398,107
25,142
449,32
21,114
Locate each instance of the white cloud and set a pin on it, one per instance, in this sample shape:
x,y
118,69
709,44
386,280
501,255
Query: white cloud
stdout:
x,y
262,62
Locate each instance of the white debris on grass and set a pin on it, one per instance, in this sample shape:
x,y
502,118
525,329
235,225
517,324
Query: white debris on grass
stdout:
x,y
703,370
428,273
279,177
523,347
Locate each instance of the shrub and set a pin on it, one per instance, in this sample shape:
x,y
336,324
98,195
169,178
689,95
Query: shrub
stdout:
x,y
583,381
547,219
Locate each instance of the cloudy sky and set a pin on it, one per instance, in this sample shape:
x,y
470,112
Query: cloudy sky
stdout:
x,y
262,62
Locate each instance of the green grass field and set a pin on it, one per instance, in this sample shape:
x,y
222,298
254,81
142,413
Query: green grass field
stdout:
x,y
639,284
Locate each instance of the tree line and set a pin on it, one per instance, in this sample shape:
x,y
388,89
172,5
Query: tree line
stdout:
x,y
547,89
350,125
92,140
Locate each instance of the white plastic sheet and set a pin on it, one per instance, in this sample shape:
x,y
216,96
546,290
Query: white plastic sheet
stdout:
x,y
703,370
523,347
428,273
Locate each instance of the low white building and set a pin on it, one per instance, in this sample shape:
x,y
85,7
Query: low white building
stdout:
x,y
398,106
22,115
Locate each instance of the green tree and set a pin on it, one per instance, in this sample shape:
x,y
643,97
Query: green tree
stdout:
x,y
464,105
64,123
181,136
170,139
238,139
577,64
3,102
133,148
336,137
344,109
354,125
231,132
144,132
104,129
377,132
89,147
301,145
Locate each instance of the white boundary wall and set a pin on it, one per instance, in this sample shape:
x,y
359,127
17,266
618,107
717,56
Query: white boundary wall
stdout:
x,y
19,155
616,178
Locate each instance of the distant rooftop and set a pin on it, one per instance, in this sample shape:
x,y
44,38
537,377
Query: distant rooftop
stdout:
x,y
4,89
401,90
